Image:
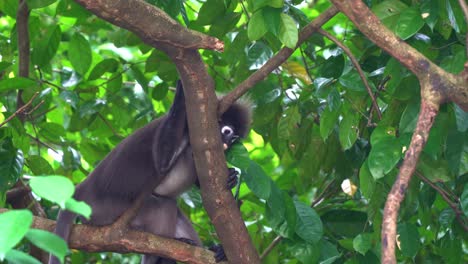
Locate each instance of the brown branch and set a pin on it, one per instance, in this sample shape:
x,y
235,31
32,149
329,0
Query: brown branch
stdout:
x,y
275,61
97,239
150,23
201,103
17,192
458,213
20,110
446,86
22,28
358,68
426,118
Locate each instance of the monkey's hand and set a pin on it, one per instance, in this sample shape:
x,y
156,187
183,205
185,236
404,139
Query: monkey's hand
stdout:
x,y
232,178
219,252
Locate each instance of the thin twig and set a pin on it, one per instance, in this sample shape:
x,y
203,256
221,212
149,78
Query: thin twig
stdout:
x,y
358,68
20,110
109,125
458,213
271,247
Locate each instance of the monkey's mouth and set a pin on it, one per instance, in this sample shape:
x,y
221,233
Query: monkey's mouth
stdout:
x,y
225,146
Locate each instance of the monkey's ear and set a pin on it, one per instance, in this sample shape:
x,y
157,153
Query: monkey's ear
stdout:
x,y
172,137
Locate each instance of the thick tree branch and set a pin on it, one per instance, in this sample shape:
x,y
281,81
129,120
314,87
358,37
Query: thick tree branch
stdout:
x,y
201,102
150,23
275,61
426,118
446,87
107,238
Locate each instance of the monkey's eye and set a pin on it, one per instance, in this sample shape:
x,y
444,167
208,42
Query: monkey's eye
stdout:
x,y
227,131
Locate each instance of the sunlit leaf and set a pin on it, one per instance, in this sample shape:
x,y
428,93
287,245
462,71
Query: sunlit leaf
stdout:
x,y
14,225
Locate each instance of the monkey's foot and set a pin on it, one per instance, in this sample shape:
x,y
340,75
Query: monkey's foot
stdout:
x,y
232,178
219,252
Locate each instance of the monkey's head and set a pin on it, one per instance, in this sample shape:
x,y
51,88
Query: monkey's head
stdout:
x,y
235,123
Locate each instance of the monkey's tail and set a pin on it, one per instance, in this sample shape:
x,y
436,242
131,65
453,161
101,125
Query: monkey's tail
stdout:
x,y
65,221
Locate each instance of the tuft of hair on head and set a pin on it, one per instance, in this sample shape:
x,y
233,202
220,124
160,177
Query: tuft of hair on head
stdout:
x,y
239,114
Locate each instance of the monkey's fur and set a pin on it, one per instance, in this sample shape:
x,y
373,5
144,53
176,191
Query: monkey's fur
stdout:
x,y
156,159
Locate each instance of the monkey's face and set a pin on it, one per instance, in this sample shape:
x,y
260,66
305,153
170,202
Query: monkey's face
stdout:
x,y
228,135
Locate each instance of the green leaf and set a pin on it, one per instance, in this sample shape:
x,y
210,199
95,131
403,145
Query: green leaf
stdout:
x,y
210,11
309,226
353,81
139,76
78,207
14,225
362,243
33,4
238,156
409,23
289,122
4,65
45,49
464,200
288,34
63,188
49,242
258,181
385,153
79,53
256,28
275,209
409,239
17,83
430,12
409,118
461,118
367,182
272,18
160,91
18,257
348,132
52,131
107,65
11,164
39,166
434,170
328,120
305,252
346,223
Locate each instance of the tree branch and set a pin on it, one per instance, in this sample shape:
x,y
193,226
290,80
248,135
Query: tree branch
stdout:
x,y
426,118
180,44
97,239
458,213
275,61
445,86
208,153
150,23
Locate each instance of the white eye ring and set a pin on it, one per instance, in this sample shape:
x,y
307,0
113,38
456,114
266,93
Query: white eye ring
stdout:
x,y
226,130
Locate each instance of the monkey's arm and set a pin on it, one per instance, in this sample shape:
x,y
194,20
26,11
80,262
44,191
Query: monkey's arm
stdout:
x,y
172,138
